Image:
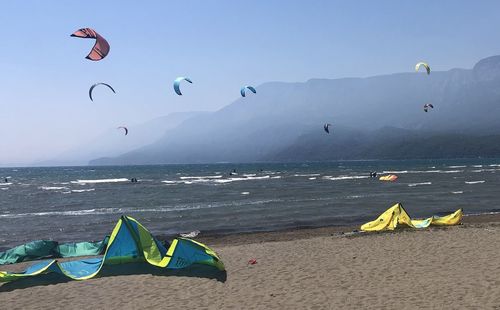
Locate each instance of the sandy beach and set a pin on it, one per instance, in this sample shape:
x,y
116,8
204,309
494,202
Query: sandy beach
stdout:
x,y
450,268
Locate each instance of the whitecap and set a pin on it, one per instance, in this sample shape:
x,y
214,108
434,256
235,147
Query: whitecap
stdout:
x,y
457,192
83,190
346,177
312,178
474,182
100,181
245,193
243,179
418,184
454,167
202,177
307,175
49,188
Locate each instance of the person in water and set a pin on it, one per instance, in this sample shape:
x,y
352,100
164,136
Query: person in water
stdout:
x,y
373,174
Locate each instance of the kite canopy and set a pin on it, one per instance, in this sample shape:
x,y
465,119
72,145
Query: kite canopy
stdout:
x,y
389,177
426,66
130,242
427,106
177,83
124,128
397,216
326,127
93,86
101,46
46,248
251,88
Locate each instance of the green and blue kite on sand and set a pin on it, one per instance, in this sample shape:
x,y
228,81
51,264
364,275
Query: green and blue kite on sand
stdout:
x,y
130,242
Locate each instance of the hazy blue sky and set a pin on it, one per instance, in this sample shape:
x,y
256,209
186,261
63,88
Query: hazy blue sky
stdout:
x,y
220,45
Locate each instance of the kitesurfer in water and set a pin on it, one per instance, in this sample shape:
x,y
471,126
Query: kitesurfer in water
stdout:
x,y
133,180
373,174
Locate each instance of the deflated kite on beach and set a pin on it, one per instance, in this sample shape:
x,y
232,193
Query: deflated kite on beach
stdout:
x,y
129,242
397,216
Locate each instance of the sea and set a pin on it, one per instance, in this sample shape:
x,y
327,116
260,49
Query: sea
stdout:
x,y
84,203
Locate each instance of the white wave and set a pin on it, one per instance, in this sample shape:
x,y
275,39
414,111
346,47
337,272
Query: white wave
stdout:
x,y
312,178
494,165
307,175
56,188
457,192
418,184
82,190
477,166
484,170
474,182
454,167
4,188
249,175
347,177
60,183
243,179
202,177
100,181
245,193
5,184
101,211
276,177
171,182
354,196
422,171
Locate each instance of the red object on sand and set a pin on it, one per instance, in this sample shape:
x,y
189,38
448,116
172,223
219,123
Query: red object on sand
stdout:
x,y
253,261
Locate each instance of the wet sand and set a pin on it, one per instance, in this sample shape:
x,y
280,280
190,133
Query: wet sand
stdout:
x,y
322,268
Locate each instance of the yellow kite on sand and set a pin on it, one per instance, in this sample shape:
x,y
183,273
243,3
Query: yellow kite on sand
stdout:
x,y
397,216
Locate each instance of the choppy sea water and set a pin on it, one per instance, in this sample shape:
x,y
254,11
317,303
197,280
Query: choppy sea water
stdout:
x,y
83,203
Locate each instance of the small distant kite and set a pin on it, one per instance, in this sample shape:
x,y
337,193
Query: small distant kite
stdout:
x,y
427,106
93,86
177,83
326,127
251,88
101,46
426,66
124,128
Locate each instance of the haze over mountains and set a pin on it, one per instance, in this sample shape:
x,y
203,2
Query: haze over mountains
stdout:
x,y
114,143
378,117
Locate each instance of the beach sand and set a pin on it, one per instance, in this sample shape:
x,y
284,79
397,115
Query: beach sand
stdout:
x,y
448,268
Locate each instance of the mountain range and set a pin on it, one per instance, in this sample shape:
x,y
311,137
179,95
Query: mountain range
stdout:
x,y
378,117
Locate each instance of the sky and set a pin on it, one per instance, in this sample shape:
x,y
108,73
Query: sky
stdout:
x,y
221,45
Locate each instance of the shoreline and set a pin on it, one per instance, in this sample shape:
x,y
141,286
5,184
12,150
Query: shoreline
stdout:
x,y
289,234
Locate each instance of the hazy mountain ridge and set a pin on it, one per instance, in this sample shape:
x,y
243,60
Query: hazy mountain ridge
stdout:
x,y
113,142
283,121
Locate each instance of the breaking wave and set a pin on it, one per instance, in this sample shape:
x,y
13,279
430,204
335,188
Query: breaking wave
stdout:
x,y
418,184
474,182
100,181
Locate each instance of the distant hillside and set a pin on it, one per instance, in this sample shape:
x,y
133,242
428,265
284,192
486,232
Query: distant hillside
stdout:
x,y
113,143
283,121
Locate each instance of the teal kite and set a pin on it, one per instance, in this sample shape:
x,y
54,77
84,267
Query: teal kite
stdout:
x,y
177,83
251,88
130,242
